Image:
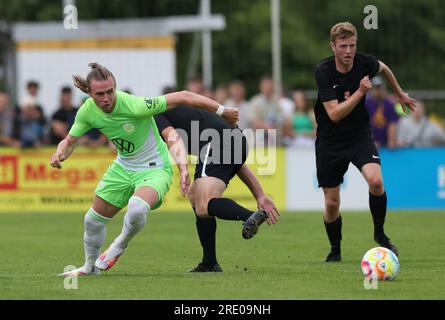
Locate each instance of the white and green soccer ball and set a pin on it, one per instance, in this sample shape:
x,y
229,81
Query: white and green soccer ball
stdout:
x,y
380,264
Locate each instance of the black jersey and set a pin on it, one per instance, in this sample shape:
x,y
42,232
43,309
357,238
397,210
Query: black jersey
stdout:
x,y
334,85
198,127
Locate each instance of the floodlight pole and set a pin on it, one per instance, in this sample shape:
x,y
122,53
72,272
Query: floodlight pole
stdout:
x,y
276,46
206,47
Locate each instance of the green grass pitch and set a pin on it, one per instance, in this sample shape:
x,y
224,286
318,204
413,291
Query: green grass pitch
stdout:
x,y
281,262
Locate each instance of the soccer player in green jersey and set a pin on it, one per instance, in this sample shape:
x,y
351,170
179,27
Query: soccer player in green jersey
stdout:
x,y
141,174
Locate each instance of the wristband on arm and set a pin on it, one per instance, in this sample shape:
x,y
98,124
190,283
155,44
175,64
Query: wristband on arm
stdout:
x,y
220,110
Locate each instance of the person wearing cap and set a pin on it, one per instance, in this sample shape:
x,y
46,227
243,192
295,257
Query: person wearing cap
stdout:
x,y
382,115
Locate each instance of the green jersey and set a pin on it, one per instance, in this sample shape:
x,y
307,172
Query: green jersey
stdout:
x,y
130,126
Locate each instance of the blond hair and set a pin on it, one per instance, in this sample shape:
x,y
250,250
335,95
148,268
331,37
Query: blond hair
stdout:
x,y
343,30
97,72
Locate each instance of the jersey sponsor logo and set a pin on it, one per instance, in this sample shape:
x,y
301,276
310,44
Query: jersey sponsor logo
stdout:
x,y
129,127
123,145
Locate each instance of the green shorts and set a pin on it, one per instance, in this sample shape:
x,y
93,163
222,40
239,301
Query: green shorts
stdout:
x,y
118,184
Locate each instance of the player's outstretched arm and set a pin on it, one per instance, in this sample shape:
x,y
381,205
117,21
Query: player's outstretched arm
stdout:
x,y
404,99
197,101
263,201
179,154
64,150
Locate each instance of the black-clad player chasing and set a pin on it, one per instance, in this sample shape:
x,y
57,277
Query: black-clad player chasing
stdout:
x,y
343,133
222,150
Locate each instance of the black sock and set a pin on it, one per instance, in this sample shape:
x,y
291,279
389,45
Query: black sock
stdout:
x,y
206,228
333,229
227,209
377,205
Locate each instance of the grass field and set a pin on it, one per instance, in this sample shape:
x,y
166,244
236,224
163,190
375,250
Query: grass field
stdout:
x,y
282,262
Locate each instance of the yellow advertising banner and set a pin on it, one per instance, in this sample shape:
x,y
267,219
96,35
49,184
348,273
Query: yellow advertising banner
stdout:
x,y
29,184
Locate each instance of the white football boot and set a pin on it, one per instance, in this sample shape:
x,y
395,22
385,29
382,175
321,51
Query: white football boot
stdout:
x,y
109,258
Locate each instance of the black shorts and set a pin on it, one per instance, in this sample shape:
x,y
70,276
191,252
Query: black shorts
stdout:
x,y
333,158
226,165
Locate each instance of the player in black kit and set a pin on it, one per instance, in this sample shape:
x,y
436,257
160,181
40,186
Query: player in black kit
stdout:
x,y
343,133
222,150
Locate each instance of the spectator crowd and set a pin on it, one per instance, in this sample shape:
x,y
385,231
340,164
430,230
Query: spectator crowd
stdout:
x,y
290,114
27,126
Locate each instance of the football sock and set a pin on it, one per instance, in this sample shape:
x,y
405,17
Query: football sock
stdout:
x,y
94,236
333,229
377,205
227,209
134,220
206,228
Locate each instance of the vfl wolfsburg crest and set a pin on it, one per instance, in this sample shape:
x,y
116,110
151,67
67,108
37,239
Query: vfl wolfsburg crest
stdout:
x,y
129,127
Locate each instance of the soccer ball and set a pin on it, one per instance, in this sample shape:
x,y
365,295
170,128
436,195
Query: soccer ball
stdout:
x,y
380,264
